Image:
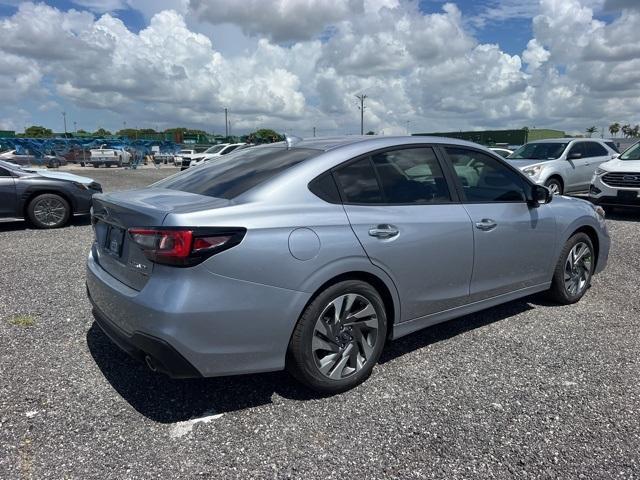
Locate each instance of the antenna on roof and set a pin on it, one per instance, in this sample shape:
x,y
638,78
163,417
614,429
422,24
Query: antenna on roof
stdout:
x,y
292,140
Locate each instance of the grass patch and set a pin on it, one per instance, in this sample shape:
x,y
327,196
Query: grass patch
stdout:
x,y
22,321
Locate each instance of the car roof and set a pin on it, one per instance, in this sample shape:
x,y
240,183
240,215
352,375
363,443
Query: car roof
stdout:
x,y
565,140
332,143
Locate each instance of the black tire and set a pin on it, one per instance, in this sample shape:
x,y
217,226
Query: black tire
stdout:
x,y
559,292
301,358
554,183
48,211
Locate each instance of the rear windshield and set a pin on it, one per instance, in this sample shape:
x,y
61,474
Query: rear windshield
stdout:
x,y
238,172
539,151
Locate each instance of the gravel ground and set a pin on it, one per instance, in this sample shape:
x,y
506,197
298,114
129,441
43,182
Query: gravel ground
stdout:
x,y
524,390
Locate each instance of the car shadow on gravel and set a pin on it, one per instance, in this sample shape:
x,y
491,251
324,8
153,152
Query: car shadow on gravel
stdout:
x,y
12,226
624,215
165,400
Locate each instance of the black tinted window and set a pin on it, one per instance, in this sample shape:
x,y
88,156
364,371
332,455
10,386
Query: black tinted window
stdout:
x,y
4,173
484,178
576,148
238,172
411,175
594,149
358,182
613,146
325,188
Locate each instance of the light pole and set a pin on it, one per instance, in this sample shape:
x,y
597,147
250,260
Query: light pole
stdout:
x,y
362,98
64,119
226,123
314,131
75,127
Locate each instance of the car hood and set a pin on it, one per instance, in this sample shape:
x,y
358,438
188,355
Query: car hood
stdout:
x,y
526,162
62,176
621,166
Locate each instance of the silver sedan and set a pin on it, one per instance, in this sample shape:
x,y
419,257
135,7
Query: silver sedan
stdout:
x,y
312,254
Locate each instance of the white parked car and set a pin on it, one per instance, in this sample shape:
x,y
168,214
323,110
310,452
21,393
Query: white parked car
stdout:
x,y
503,152
184,155
216,151
563,165
617,182
109,156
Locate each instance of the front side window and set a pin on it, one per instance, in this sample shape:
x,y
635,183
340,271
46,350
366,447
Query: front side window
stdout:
x,y
578,148
411,175
484,178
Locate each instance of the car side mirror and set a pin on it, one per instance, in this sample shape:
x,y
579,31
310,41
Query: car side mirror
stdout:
x,y
540,196
574,156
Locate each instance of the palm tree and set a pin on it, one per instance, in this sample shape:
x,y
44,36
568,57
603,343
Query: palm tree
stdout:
x,y
626,130
635,131
614,128
591,131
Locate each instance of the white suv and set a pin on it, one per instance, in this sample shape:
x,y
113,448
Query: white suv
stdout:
x,y
563,165
617,183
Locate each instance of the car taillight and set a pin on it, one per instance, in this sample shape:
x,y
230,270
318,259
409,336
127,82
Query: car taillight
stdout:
x,y
184,247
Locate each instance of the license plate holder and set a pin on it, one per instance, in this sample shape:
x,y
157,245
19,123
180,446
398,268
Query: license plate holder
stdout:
x,y
114,241
627,195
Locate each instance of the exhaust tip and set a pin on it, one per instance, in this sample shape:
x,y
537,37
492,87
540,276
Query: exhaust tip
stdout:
x,y
149,361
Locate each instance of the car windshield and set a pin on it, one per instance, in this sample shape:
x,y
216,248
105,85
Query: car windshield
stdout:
x,y
539,151
239,172
214,149
632,153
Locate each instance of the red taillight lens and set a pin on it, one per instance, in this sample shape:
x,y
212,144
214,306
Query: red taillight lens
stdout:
x,y
184,247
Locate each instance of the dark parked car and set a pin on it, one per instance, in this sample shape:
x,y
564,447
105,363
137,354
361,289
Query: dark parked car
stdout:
x,y
28,158
47,199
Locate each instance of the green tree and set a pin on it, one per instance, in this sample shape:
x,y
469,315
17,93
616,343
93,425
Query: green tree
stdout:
x,y
626,130
590,131
36,131
635,131
614,128
101,132
265,135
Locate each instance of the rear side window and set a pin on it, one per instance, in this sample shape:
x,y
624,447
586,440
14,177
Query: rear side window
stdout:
x,y
613,146
594,149
238,172
359,183
4,173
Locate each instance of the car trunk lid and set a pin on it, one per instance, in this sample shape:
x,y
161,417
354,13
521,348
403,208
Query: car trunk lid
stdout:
x,y
114,213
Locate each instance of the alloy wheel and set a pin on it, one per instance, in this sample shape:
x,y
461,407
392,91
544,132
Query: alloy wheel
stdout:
x,y
554,188
49,211
577,268
345,336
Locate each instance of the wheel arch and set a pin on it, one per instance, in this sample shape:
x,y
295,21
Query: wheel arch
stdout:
x,y
31,194
558,177
385,288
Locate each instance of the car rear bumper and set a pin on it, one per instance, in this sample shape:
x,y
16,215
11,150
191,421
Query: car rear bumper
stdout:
x,y
217,325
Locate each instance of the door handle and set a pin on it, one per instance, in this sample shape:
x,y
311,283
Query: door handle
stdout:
x,y
486,224
384,231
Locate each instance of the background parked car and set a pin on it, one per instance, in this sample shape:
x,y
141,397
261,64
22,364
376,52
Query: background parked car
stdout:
x,y
27,158
215,152
617,182
47,199
77,155
503,152
562,165
107,157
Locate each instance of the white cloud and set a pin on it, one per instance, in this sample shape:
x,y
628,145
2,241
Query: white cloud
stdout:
x,y
306,62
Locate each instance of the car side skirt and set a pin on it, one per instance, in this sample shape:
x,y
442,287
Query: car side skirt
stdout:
x,y
405,328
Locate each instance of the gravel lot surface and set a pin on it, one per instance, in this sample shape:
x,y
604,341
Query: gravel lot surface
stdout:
x,y
524,390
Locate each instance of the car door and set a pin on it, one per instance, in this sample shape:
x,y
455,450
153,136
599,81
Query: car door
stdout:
x,y
412,225
579,168
595,154
8,200
513,241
